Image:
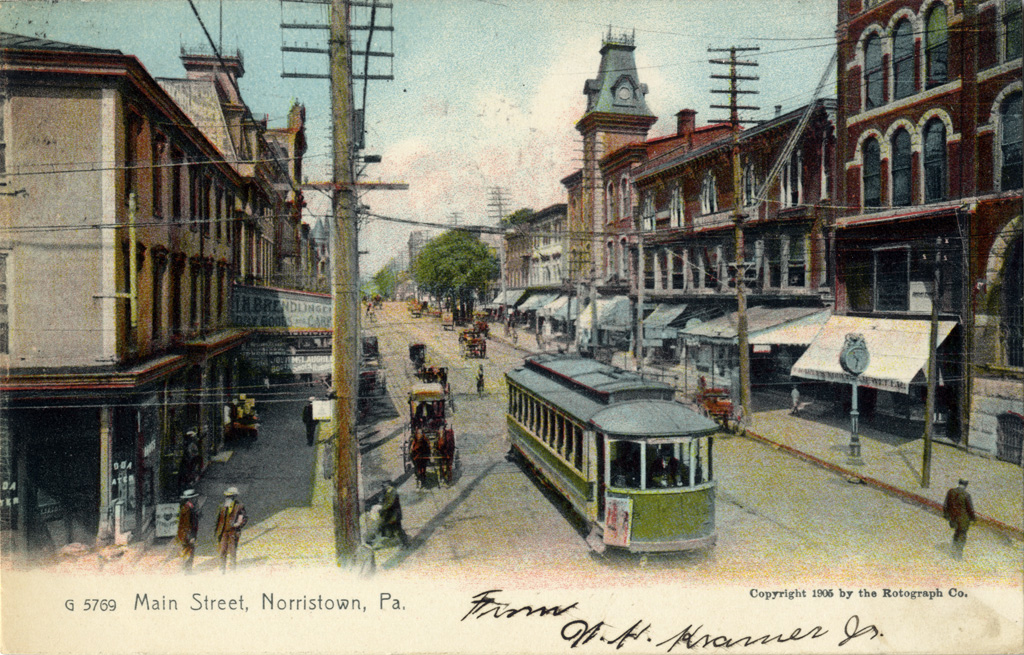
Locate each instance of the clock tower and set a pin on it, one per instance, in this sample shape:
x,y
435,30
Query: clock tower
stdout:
x,y
616,115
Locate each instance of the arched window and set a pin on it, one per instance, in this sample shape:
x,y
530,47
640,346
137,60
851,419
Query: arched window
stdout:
x,y
903,59
872,72
623,250
934,161
610,202
1010,142
937,47
675,207
900,168
1013,304
708,194
626,198
749,184
872,173
790,182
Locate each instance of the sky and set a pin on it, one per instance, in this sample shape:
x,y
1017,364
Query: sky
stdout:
x,y
486,93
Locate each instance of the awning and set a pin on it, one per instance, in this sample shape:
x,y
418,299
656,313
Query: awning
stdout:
x,y
656,326
508,297
612,314
759,319
536,301
563,308
800,332
898,350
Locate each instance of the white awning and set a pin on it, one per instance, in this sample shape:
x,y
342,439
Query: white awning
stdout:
x,y
798,333
612,314
508,297
536,301
656,326
564,308
898,350
759,319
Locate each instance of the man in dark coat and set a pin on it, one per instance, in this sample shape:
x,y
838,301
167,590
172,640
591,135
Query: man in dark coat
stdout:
x,y
230,521
446,449
391,514
188,527
307,418
959,511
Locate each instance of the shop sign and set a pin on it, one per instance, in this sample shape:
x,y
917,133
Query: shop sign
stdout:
x,y
167,519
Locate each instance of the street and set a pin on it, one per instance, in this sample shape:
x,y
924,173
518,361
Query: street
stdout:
x,y
776,514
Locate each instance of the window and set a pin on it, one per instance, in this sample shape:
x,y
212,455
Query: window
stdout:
x,y
1013,305
872,72
675,207
708,195
158,264
610,203
177,171
1009,437
872,173
826,180
5,328
937,47
1010,142
648,210
903,59
1011,29
796,273
622,259
749,184
934,161
133,134
791,186
159,146
901,168
625,197
892,280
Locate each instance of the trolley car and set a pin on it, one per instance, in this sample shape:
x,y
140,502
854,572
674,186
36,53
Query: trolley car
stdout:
x,y
630,460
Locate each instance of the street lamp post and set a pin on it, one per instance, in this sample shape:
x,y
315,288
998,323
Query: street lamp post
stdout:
x,y
854,359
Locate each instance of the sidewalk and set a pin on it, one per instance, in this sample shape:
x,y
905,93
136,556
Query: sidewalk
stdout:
x,y
894,465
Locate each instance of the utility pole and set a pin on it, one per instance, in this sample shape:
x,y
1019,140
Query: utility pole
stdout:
x,y
737,207
929,404
344,292
640,288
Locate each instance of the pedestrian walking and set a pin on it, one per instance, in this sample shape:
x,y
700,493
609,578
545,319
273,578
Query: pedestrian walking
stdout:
x,y
391,514
959,511
480,381
795,396
188,527
230,521
307,418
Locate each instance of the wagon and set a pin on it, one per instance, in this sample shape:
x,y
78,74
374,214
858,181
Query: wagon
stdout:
x,y
715,403
475,347
431,438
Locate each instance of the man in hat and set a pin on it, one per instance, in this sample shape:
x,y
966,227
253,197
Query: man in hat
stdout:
x,y
307,418
188,527
959,511
230,521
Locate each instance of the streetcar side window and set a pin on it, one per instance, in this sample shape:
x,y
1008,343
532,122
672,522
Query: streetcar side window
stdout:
x,y
624,458
560,433
578,451
663,468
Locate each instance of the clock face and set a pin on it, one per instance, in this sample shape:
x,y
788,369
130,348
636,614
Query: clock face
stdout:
x,y
855,360
625,93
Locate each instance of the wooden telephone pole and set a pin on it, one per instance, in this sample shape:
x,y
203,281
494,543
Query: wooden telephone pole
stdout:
x,y
737,207
344,292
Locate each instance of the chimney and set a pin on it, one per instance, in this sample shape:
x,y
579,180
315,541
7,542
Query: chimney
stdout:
x,y
778,110
686,119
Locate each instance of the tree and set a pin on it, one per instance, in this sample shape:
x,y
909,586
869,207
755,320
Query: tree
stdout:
x,y
455,265
385,280
517,217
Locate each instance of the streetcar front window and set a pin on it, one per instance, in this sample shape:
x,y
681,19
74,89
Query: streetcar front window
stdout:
x,y
625,466
678,464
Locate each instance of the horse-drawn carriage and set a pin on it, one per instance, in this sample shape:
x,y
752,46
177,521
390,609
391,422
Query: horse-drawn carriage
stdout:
x,y
715,403
473,342
430,447
243,422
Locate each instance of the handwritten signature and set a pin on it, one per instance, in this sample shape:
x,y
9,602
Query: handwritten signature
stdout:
x,y
580,632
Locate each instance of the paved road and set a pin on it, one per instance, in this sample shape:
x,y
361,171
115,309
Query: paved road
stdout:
x,y
777,516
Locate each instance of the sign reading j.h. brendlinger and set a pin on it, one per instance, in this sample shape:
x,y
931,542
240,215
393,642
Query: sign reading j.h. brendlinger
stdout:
x,y
256,307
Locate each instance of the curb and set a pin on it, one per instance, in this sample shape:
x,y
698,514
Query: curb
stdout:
x,y
902,494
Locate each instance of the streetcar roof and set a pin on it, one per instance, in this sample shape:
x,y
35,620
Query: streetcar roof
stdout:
x,y
606,381
652,418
